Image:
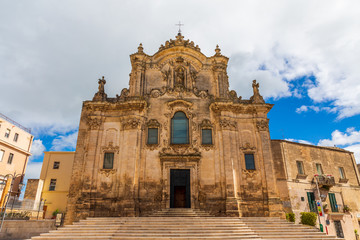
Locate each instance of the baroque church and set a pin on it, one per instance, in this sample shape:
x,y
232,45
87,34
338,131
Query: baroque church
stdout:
x,y
176,138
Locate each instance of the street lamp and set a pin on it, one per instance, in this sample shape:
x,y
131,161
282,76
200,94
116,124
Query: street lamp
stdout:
x,y
4,181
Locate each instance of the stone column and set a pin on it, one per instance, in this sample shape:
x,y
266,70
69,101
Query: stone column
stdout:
x,y
275,205
228,130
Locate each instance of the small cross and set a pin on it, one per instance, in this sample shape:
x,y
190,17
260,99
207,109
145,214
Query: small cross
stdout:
x,y
179,24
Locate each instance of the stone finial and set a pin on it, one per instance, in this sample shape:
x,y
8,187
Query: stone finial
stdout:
x,y
140,48
256,98
217,51
100,95
179,37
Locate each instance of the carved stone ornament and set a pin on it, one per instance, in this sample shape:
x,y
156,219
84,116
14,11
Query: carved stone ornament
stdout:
x,y
94,122
181,103
262,125
110,148
227,124
131,124
247,147
205,124
179,41
100,95
256,98
153,123
107,172
123,95
180,150
249,173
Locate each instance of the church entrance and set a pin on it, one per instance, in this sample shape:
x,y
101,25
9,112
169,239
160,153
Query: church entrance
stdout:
x,y
180,188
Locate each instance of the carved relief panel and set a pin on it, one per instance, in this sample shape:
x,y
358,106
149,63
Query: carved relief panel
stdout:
x,y
179,72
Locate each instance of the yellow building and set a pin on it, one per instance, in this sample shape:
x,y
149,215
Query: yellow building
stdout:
x,y
56,174
15,145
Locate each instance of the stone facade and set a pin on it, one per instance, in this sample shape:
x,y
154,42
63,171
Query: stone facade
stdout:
x,y
335,171
177,78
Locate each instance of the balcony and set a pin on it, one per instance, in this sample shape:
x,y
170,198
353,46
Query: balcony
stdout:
x,y
324,181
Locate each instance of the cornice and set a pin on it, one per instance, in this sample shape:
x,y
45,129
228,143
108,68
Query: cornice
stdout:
x,y
9,145
246,108
118,106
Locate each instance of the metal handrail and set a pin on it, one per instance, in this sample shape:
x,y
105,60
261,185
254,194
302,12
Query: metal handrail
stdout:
x,y
15,123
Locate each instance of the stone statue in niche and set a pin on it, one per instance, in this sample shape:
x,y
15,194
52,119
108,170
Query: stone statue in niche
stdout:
x,y
180,77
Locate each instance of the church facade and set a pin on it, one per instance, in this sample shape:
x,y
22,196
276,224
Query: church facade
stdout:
x,y
177,137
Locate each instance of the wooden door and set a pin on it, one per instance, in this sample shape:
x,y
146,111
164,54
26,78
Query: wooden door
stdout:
x,y
180,188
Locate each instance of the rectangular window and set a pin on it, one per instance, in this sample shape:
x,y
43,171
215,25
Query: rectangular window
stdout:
x,y
333,203
342,173
7,133
56,165
311,201
206,136
249,161
10,159
52,185
108,160
153,135
319,169
2,153
300,167
16,136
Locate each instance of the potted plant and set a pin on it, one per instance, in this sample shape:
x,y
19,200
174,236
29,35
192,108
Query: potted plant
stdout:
x,y
54,213
356,234
346,209
325,207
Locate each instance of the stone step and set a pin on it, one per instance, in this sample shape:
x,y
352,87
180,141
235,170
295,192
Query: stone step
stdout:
x,y
184,224
144,238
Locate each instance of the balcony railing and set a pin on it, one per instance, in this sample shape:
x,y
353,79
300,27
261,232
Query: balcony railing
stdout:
x,y
15,123
325,180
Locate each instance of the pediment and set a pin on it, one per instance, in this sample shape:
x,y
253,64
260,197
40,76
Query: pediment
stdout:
x,y
180,103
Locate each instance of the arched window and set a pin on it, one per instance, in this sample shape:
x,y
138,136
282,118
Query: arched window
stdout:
x,y
179,129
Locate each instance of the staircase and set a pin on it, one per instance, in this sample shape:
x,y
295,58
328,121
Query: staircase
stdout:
x,y
276,228
183,224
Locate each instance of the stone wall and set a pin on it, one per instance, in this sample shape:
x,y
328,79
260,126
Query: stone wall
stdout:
x,y
294,186
177,78
25,229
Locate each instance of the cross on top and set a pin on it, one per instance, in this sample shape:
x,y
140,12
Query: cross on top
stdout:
x,y
179,24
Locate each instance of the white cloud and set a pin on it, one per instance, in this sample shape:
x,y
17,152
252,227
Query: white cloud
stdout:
x,y
299,141
52,56
316,109
64,142
33,170
349,140
37,148
339,138
356,150
301,109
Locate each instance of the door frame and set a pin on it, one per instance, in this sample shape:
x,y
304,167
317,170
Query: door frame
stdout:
x,y
176,163
187,173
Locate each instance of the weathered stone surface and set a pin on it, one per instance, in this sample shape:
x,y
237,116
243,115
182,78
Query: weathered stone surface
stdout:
x,y
176,78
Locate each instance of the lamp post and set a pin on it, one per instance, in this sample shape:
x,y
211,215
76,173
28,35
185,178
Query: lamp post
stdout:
x,y
4,181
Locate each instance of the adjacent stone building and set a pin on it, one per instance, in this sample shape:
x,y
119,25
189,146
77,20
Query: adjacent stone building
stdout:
x,y
15,145
176,138
303,171
53,186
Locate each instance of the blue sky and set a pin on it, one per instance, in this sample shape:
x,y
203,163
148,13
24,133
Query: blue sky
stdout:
x,y
304,54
